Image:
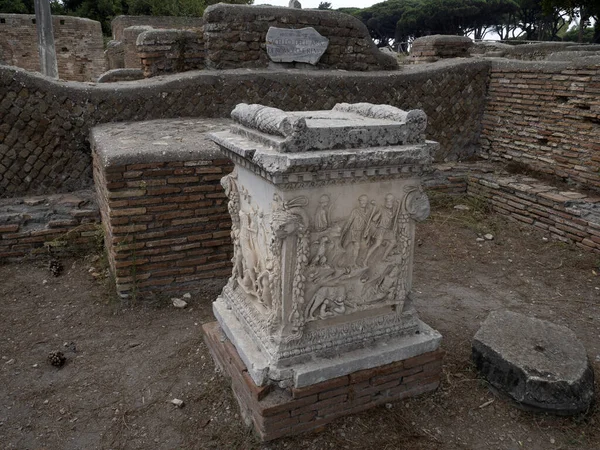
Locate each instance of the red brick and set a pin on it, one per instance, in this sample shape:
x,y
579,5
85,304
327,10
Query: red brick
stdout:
x,y
162,242
182,180
163,190
320,387
9,228
423,359
257,392
145,166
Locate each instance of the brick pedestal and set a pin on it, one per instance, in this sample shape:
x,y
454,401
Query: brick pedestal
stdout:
x,y
276,412
163,209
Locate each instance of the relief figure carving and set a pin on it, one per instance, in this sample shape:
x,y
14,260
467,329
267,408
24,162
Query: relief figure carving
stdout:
x,y
247,240
353,232
385,221
327,302
382,288
322,215
229,183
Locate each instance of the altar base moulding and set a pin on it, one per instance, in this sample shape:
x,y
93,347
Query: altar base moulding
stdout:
x,y
323,207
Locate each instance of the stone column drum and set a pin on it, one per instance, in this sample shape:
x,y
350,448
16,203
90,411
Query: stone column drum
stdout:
x,y
323,206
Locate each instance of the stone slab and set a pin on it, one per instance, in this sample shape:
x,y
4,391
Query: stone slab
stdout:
x,y
151,141
274,162
248,348
382,352
540,365
346,126
303,45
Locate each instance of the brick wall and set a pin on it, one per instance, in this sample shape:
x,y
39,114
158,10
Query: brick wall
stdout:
x,y
235,36
125,30
131,60
62,222
44,124
170,51
78,41
568,216
564,214
165,218
431,48
528,51
546,116
114,55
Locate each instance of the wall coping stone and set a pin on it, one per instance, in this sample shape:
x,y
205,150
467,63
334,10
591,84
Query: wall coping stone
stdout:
x,y
156,141
543,66
416,71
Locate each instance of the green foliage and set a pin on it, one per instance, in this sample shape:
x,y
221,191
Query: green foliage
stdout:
x,y
101,10
404,20
14,7
166,7
26,7
573,35
324,5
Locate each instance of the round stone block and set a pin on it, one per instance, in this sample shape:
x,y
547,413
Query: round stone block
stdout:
x,y
541,365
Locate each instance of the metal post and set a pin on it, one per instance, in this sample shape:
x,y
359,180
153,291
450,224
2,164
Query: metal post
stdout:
x,y
43,21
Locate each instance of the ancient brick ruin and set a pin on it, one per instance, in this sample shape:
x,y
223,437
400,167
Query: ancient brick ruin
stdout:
x,y
165,216
540,115
78,42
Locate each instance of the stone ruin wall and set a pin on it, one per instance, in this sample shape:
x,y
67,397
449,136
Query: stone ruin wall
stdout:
x,y
122,51
546,116
119,23
161,52
45,125
530,51
78,41
235,37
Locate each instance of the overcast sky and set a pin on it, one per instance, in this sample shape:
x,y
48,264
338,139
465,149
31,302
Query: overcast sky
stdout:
x,y
314,3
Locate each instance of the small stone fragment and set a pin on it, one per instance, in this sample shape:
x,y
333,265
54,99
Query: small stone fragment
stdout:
x,y
187,295
480,239
488,237
178,303
462,208
177,402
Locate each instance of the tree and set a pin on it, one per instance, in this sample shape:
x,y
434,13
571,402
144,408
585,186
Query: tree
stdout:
x,y
324,5
166,7
582,9
101,10
404,20
381,19
26,7
13,7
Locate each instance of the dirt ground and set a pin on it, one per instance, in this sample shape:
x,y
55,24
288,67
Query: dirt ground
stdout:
x,y
126,362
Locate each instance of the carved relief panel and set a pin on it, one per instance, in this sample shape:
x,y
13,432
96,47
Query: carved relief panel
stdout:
x,y
315,256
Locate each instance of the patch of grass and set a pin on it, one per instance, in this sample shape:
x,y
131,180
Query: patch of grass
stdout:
x,y
479,217
66,244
